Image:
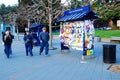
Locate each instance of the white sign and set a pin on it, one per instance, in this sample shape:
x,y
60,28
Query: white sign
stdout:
x,y
118,23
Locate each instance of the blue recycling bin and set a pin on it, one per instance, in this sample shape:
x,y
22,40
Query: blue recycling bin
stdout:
x,y
35,30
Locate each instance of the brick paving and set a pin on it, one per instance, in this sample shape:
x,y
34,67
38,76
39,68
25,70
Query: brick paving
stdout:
x,y
58,66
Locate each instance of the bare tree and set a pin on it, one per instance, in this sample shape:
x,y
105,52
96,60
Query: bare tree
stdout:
x,y
50,13
42,11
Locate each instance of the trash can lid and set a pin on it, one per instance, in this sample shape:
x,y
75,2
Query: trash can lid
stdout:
x,y
110,45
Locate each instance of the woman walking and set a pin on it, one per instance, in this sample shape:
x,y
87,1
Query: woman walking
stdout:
x,y
7,42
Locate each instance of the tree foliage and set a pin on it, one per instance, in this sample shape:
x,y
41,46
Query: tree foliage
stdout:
x,y
39,9
107,12
104,8
24,2
6,9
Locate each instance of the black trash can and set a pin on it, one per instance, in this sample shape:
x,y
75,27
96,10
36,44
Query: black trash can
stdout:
x,y
109,53
64,47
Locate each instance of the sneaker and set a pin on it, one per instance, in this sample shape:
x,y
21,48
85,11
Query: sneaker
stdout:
x,y
39,53
47,55
26,54
31,54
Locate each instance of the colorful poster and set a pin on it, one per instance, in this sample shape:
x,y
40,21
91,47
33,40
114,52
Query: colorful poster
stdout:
x,y
75,34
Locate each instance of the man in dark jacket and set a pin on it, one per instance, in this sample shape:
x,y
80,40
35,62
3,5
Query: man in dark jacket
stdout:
x,y
7,39
28,39
44,38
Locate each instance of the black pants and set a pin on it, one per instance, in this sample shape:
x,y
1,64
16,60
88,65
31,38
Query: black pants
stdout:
x,y
46,46
7,50
29,48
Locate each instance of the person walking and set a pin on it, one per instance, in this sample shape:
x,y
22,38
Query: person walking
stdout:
x,y
44,38
3,42
28,39
7,39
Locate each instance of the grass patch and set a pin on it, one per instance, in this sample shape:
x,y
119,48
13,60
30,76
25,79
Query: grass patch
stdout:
x,y
101,33
55,33
107,33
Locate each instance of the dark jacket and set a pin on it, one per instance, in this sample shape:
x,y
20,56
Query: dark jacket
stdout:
x,y
7,40
3,35
44,37
28,39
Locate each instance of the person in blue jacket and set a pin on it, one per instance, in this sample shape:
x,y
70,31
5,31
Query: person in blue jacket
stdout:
x,y
44,38
28,39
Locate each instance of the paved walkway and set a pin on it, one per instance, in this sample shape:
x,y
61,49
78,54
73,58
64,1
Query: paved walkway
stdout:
x,y
57,66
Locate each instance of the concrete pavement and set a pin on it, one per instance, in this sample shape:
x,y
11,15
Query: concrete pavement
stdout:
x,y
57,66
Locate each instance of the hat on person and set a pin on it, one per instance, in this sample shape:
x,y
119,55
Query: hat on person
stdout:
x,y
43,28
28,31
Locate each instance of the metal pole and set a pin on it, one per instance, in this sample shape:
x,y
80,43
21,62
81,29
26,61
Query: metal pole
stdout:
x,y
84,51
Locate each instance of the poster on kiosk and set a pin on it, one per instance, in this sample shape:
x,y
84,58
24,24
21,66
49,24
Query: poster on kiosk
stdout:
x,y
78,32
78,35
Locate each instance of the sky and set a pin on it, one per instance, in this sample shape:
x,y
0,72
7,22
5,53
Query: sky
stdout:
x,y
64,2
9,2
13,2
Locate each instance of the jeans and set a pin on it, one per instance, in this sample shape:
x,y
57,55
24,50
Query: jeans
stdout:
x,y
10,50
46,46
7,50
29,48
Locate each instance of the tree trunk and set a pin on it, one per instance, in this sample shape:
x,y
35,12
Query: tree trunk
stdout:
x,y
17,33
19,2
50,31
28,23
